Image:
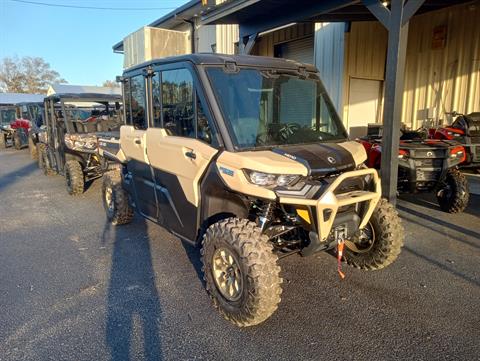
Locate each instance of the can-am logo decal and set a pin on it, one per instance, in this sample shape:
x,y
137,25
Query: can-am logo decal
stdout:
x,y
331,160
429,154
227,171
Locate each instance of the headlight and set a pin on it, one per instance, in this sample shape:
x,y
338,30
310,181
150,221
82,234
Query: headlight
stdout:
x,y
271,180
458,153
403,154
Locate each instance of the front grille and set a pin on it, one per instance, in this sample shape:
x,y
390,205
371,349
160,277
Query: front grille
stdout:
x,y
476,139
427,175
350,185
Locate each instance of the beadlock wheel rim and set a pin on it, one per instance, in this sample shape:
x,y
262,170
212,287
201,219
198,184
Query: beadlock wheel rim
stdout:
x,y
227,274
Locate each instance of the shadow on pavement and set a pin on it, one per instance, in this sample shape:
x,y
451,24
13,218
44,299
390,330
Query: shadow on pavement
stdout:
x,y
9,178
133,309
443,267
194,256
440,222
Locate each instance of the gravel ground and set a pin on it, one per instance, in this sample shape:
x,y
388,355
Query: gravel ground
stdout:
x,y
74,288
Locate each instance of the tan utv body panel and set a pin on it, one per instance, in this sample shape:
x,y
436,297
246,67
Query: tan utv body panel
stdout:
x,y
120,155
357,151
133,143
261,161
168,153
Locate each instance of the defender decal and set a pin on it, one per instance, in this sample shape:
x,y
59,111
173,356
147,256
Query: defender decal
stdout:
x,y
227,171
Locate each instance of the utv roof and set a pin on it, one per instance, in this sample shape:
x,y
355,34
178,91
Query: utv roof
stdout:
x,y
222,59
16,98
85,96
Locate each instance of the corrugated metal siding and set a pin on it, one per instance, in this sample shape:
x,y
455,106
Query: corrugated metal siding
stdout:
x,y
206,36
227,36
265,44
329,58
445,79
365,55
300,50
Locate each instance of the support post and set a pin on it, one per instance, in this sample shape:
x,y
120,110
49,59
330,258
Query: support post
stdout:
x,y
247,43
396,21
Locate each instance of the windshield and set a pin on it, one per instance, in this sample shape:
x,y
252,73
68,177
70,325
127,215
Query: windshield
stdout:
x,y
91,117
268,108
7,115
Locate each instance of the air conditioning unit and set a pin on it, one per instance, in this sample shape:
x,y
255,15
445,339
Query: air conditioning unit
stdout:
x,y
150,43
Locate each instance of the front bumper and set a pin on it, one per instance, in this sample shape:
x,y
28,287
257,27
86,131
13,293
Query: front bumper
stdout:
x,y
327,206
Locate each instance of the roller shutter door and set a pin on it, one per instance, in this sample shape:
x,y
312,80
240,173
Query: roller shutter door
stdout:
x,y
300,50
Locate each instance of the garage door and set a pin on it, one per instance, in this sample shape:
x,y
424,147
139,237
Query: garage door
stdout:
x,y
364,105
300,50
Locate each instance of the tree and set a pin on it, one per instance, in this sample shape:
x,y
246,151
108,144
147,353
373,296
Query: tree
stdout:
x,y
111,84
27,75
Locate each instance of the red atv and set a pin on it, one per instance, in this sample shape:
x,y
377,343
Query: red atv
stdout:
x,y
466,130
426,166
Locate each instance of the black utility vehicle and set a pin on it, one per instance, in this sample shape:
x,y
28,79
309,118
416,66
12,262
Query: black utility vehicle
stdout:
x,y
70,144
425,166
246,156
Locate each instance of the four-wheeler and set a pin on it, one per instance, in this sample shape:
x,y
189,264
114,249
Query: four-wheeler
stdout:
x,y
18,120
466,130
246,156
7,116
425,166
70,145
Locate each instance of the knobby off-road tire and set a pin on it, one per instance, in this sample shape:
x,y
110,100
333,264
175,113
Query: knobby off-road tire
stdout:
x,y
259,273
74,177
454,195
383,242
32,148
43,161
17,142
3,141
115,199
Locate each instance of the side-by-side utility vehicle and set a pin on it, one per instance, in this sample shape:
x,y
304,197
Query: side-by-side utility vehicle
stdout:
x,y
70,144
16,123
425,166
246,156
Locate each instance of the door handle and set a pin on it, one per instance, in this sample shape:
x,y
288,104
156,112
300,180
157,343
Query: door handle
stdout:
x,y
138,141
191,154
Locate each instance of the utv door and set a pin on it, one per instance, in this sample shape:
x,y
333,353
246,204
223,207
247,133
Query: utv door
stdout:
x,y
179,149
133,143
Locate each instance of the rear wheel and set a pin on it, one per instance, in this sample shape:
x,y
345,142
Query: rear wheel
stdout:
x,y
17,142
241,271
453,193
44,162
3,141
74,177
32,148
115,199
378,244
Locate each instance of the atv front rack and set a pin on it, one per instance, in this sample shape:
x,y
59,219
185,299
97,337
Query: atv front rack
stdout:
x,y
330,202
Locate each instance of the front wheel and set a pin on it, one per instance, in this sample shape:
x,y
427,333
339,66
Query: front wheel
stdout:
x,y
378,244
115,199
240,271
3,141
74,177
453,194
17,141
33,149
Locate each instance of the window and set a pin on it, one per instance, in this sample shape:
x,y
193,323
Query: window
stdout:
x,y
178,103
138,104
126,92
205,130
156,100
266,108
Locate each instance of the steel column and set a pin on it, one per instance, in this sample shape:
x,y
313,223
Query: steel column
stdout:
x,y
396,21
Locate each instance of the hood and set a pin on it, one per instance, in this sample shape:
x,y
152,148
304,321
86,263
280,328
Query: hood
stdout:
x,y
325,158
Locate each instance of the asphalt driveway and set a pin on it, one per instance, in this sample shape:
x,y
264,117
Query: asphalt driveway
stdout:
x,y
74,288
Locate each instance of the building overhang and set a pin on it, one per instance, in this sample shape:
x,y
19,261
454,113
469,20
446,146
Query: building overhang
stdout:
x,y
256,16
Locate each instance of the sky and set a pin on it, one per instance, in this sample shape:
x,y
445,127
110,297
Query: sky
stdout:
x,y
77,43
